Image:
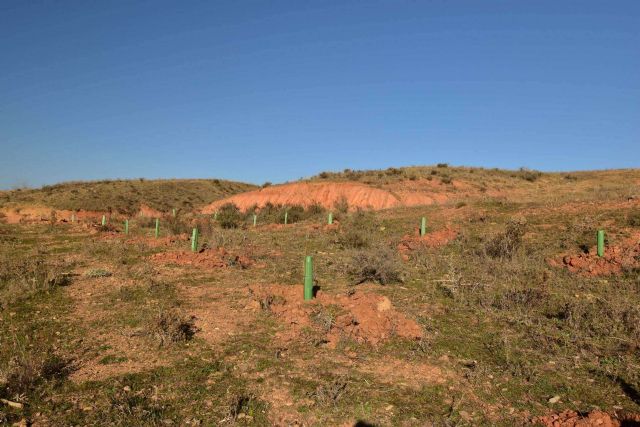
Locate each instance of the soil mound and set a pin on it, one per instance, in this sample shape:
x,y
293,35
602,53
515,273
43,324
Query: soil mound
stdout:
x,y
327,194
615,260
570,418
434,239
206,258
364,317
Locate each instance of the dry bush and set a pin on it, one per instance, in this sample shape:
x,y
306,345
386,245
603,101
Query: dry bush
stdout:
x,y
341,205
330,392
358,231
381,265
28,370
171,326
634,218
505,244
229,216
178,225
30,274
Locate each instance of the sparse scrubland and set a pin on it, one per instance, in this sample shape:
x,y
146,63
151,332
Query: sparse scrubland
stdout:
x,y
500,315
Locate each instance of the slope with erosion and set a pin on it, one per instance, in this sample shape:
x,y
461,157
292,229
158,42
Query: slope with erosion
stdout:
x,y
420,186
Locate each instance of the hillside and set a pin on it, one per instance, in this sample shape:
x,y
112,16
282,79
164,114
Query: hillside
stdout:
x,y
427,185
126,196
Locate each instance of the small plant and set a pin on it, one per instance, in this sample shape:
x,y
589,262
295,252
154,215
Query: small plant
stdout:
x,y
380,265
443,165
98,272
229,216
446,179
505,244
342,205
634,219
30,369
528,174
169,327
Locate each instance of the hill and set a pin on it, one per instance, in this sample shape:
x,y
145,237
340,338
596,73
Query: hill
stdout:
x,y
427,185
126,196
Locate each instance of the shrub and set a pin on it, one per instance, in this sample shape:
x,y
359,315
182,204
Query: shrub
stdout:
x,y
341,205
505,245
98,272
315,209
229,216
295,213
380,265
528,174
634,219
443,165
446,179
358,230
28,370
170,326
177,226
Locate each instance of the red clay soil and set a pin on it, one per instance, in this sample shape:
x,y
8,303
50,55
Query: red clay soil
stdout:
x,y
570,418
626,255
149,212
206,258
327,194
434,239
364,317
37,214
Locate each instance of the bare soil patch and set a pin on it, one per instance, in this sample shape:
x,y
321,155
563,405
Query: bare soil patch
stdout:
x,y
206,258
617,258
328,194
410,243
571,418
361,316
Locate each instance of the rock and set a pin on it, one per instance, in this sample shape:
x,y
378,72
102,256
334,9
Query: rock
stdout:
x,y
554,399
384,304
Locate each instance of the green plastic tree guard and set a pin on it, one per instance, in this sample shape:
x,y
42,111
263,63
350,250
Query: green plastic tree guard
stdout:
x,y
255,219
215,216
173,211
286,217
126,226
308,278
157,227
600,243
423,226
73,217
330,221
104,220
194,240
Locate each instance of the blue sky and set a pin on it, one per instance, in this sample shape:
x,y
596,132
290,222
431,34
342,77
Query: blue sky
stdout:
x,y
272,91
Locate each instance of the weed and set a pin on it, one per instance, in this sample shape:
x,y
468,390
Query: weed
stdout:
x,y
170,326
505,244
341,205
229,216
380,265
98,272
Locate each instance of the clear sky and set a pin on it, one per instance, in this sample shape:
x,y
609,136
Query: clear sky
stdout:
x,y
272,91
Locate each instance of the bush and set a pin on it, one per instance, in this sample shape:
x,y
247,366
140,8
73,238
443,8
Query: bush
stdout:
x,y
528,174
229,216
634,219
358,230
505,244
446,179
443,165
177,226
28,370
170,326
380,265
341,205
